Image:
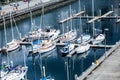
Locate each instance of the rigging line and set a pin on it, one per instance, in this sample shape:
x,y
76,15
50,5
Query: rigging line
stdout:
x,y
31,20
93,16
17,27
11,25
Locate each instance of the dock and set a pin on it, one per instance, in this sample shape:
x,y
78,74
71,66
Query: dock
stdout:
x,y
91,17
98,17
101,46
75,15
35,9
107,67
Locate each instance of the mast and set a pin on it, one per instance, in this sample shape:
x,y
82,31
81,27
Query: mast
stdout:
x,y
17,28
42,22
71,18
63,23
11,26
31,20
93,17
5,38
81,30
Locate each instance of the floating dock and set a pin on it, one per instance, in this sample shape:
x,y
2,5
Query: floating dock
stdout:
x,y
98,17
75,15
107,67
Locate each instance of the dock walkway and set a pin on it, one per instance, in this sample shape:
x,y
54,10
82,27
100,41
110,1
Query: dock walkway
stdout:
x,y
108,67
23,10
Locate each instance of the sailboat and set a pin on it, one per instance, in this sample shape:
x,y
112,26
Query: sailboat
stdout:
x,y
47,33
100,37
10,72
69,35
47,45
33,34
17,73
67,49
43,46
14,44
83,37
83,46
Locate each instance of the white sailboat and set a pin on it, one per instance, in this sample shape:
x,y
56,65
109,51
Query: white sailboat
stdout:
x,y
10,72
14,44
33,34
69,35
47,45
49,33
82,48
44,46
100,37
83,37
18,73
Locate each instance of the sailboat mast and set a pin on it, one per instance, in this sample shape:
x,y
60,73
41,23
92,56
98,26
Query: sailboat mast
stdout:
x,y
11,25
63,24
71,18
5,38
93,16
42,24
81,30
31,20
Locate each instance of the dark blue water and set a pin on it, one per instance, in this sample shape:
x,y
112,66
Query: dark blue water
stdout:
x,y
54,63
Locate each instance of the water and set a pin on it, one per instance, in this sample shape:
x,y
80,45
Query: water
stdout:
x,y
54,63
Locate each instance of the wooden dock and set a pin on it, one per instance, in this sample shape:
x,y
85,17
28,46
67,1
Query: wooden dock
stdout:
x,y
91,17
75,15
99,17
101,46
92,72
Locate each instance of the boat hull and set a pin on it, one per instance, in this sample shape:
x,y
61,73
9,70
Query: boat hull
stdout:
x,y
82,48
